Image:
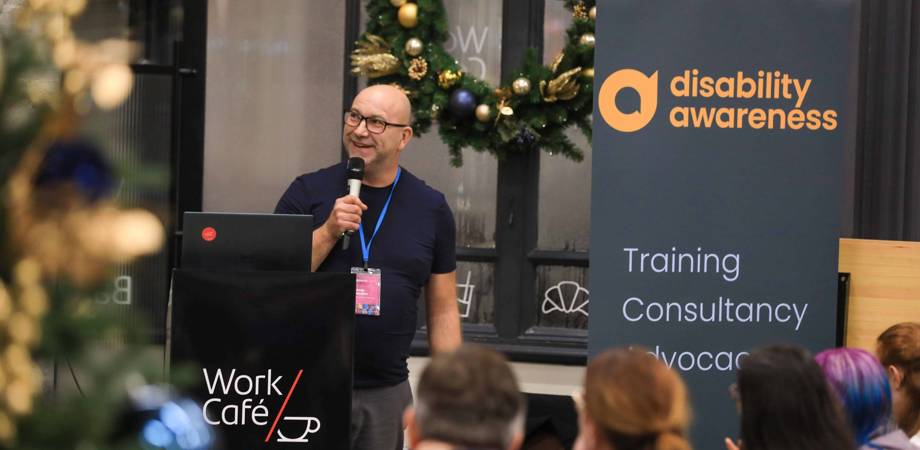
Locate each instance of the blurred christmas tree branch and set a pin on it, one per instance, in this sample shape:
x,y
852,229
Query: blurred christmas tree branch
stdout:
x,y
61,233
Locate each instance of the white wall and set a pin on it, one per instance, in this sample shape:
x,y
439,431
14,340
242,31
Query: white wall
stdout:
x,y
273,99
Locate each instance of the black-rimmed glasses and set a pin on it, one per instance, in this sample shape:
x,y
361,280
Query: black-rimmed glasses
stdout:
x,y
374,125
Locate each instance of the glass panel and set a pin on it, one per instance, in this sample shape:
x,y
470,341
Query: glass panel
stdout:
x,y
159,24
475,37
475,288
475,28
562,297
564,214
103,19
153,24
564,204
135,137
556,19
273,98
475,294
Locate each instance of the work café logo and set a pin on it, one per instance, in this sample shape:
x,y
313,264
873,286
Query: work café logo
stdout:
x,y
785,96
238,399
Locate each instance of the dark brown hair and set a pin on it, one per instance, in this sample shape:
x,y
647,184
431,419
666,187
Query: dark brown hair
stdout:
x,y
787,403
637,401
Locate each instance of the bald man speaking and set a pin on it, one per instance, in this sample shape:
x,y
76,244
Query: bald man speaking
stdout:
x,y
404,237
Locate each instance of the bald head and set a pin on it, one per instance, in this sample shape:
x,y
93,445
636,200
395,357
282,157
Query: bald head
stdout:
x,y
390,99
380,149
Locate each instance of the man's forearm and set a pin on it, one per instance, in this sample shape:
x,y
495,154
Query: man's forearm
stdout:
x,y
322,245
444,331
443,315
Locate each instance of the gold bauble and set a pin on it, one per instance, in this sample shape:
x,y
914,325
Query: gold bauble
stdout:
x,y
22,329
408,15
587,39
112,85
75,80
7,429
74,7
414,47
593,13
19,397
16,360
135,232
397,3
33,301
65,53
521,86
6,303
483,113
27,272
588,73
57,28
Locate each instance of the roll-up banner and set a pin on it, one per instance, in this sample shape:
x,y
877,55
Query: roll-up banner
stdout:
x,y
270,355
720,129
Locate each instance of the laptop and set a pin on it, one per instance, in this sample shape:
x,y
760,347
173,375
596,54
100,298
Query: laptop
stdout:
x,y
235,241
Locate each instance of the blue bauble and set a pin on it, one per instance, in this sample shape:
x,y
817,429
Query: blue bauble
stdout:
x,y
78,162
159,419
462,103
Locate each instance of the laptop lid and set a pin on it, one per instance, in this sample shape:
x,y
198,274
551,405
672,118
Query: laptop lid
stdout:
x,y
237,241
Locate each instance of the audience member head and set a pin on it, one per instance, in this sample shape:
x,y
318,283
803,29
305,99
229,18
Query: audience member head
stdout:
x,y
632,401
898,349
786,403
862,385
467,398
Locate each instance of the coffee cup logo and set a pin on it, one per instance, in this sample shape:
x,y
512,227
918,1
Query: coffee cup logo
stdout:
x,y
646,86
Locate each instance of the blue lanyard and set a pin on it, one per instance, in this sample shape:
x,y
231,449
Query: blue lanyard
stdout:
x,y
366,248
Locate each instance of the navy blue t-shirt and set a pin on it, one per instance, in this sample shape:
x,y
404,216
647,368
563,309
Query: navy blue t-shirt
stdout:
x,y
415,240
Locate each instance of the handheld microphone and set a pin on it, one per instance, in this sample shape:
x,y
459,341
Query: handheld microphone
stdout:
x,y
355,171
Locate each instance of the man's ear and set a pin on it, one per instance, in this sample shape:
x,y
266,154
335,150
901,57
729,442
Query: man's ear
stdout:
x,y
516,441
405,137
895,376
411,429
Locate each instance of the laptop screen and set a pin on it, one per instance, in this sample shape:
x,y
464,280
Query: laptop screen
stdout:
x,y
235,241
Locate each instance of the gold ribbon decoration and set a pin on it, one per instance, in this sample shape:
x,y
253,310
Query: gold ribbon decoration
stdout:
x,y
563,87
502,107
372,58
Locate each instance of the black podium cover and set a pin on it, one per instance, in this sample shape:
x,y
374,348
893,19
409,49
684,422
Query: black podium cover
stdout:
x,y
272,352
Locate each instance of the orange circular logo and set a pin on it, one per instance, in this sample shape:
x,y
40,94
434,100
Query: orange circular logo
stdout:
x,y
209,234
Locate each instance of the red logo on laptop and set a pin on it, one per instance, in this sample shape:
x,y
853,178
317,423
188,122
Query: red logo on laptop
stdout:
x,y
209,234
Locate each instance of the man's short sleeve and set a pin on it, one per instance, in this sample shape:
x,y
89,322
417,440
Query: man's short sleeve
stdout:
x,y
445,248
295,199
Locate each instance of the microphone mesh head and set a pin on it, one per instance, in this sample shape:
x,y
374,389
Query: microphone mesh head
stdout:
x,y
355,168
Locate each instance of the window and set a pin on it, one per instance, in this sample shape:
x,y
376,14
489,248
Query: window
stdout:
x,y
523,223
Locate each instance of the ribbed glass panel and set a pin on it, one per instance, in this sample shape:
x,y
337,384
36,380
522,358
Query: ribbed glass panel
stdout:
x,y
136,139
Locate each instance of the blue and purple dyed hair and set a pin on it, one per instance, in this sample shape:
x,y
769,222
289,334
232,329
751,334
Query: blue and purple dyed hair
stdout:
x,y
862,385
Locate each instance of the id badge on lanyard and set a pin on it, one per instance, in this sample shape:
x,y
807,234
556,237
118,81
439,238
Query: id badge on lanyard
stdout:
x,y
368,279
367,291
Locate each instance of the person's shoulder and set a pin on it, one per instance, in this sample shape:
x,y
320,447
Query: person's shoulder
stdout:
x,y
334,171
894,440
428,194
315,183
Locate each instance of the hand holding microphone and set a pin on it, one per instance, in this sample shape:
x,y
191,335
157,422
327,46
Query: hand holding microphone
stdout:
x,y
355,173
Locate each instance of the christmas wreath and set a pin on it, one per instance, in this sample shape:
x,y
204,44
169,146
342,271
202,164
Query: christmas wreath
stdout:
x,y
403,45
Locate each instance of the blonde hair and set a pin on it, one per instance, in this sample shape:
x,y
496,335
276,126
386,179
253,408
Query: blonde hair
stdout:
x,y
638,402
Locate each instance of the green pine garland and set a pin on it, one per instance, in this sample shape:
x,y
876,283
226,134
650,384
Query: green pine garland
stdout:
x,y
535,122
